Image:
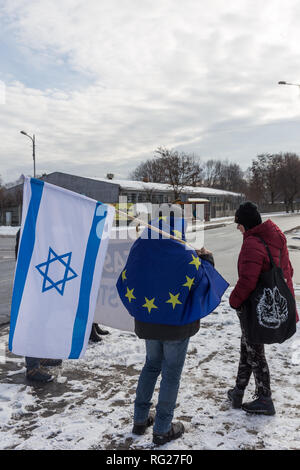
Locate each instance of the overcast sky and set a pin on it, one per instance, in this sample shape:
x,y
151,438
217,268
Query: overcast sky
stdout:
x,y
103,83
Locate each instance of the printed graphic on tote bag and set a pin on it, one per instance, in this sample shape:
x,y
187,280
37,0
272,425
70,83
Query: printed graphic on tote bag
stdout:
x,y
272,309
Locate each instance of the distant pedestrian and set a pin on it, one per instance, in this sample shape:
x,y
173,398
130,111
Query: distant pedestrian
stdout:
x,y
34,371
254,260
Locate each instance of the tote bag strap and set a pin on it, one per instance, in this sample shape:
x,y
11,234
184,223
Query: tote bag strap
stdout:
x,y
269,253
280,258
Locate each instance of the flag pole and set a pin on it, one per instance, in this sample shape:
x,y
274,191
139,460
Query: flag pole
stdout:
x,y
154,228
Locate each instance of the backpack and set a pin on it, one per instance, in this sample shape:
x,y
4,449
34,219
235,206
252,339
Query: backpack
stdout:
x,y
269,314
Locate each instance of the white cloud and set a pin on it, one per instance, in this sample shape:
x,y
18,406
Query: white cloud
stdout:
x,y
192,75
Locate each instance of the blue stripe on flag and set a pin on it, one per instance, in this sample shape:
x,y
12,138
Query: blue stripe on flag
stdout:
x,y
25,253
83,307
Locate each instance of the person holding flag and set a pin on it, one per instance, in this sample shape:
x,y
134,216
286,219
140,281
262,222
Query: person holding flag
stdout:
x,y
60,258
34,372
167,288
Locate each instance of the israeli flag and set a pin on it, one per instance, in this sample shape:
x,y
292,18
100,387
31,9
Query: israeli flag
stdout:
x,y
63,243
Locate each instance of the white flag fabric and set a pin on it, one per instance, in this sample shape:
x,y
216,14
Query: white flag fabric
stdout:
x,y
63,243
110,310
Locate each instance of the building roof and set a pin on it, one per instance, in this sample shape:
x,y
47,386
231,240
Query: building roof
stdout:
x,y
142,186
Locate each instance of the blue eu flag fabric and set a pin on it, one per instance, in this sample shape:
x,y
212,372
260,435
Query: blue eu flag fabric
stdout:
x,y
165,282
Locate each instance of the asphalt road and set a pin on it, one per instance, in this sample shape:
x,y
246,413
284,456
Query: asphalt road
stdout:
x,y
224,242
7,266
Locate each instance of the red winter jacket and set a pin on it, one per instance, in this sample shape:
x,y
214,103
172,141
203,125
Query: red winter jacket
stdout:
x,y
254,259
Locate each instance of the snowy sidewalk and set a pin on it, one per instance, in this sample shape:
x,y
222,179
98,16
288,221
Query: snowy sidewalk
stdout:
x,y
8,231
93,408
293,238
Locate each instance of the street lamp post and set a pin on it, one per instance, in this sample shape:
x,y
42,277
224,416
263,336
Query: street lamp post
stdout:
x,y
287,83
33,148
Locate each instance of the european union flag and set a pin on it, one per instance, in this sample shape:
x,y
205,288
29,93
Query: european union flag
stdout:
x,y
165,282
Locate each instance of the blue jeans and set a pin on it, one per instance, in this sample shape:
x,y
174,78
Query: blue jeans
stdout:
x,y
167,358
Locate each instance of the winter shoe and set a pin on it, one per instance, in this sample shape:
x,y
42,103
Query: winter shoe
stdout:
x,y
38,375
51,362
262,405
100,331
177,429
236,395
140,429
94,336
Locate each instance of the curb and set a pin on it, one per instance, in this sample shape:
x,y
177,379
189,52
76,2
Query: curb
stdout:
x,y
291,230
208,227
293,247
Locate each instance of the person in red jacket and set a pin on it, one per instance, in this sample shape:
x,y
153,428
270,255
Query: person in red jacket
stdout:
x,y
253,260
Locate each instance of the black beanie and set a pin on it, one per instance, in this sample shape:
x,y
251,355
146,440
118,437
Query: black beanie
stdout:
x,y
248,215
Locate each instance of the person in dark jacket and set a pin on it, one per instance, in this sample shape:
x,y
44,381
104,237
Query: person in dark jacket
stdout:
x,y
33,364
253,260
167,289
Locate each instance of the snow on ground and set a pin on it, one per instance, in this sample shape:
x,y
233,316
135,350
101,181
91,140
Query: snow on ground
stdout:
x,y
275,214
8,230
91,404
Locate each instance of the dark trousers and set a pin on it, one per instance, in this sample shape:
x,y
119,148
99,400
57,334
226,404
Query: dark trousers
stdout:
x,y
253,359
32,363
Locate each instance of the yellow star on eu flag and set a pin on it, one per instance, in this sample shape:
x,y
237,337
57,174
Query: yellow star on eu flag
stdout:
x,y
189,282
149,304
177,234
173,300
130,295
124,275
196,261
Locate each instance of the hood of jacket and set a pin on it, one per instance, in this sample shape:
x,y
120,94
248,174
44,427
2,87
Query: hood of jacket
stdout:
x,y
269,232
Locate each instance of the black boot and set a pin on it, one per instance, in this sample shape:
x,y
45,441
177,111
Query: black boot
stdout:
x,y
140,429
94,336
236,395
38,375
263,405
177,429
100,331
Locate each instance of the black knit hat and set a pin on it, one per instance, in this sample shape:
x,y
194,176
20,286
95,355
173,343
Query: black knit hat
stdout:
x,y
248,215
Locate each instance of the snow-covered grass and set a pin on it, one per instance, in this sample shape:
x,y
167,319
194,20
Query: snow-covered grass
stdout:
x,y
90,405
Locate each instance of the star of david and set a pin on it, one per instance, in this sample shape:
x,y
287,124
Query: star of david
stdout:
x,y
68,275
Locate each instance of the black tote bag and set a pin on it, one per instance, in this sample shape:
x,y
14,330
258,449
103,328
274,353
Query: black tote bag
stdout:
x,y
269,314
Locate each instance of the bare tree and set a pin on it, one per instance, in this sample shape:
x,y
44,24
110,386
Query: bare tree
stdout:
x,y
147,171
265,171
178,169
289,181
275,177
211,173
224,175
